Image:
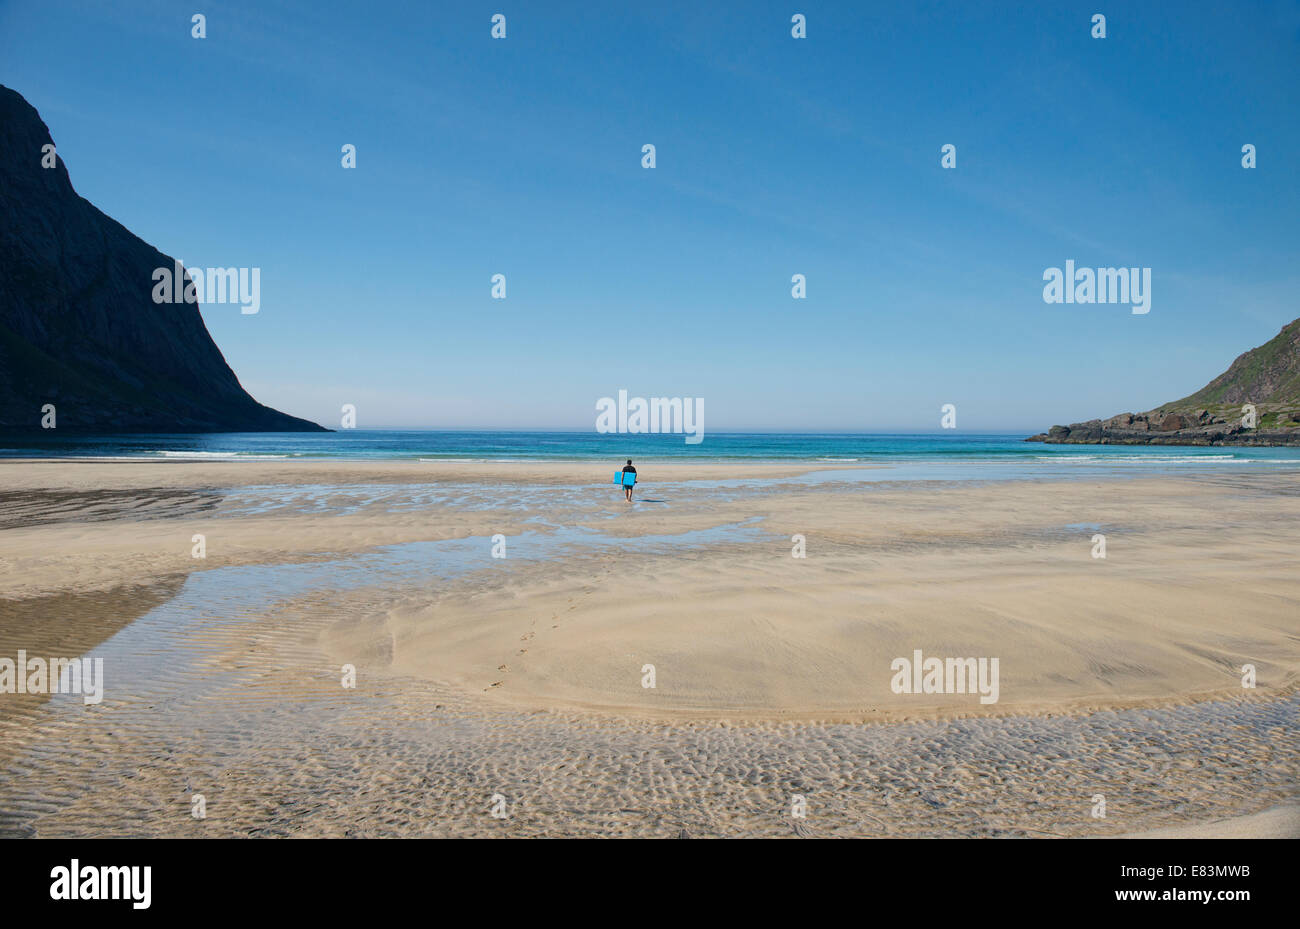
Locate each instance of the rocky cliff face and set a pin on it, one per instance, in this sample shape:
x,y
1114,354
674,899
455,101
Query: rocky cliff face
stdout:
x,y
1267,378
78,325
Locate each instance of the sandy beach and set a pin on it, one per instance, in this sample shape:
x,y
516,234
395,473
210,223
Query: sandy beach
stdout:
x,y
524,675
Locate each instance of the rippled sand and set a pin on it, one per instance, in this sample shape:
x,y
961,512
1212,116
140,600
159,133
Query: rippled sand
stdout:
x,y
520,677
276,755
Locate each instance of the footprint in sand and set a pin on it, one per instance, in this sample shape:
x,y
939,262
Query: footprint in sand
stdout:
x,y
526,636
502,667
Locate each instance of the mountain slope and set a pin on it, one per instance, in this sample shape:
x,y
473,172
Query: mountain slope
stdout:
x,y
1267,377
78,325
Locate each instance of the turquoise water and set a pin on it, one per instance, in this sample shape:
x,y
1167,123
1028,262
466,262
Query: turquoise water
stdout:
x,y
839,449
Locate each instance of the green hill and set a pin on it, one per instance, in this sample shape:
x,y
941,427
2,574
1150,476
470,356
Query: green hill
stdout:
x,y
1267,377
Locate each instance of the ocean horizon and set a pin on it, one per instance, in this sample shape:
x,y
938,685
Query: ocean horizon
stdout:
x,y
903,455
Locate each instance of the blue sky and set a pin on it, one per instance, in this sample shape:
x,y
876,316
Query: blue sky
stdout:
x,y
775,156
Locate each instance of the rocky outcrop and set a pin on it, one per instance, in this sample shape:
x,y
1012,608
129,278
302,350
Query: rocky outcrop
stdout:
x,y
1266,379
78,325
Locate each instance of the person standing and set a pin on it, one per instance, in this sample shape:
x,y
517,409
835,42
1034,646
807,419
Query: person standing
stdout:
x,y
627,488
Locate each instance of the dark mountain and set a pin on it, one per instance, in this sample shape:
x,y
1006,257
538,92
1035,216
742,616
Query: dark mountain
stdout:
x,y
1267,377
78,325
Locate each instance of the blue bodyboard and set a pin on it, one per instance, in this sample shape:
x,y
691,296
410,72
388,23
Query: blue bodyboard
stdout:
x,y
626,479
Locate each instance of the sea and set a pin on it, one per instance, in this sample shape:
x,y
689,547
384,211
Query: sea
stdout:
x,y
950,455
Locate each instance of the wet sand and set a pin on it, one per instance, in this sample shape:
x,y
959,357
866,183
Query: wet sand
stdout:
x,y
522,676
1280,822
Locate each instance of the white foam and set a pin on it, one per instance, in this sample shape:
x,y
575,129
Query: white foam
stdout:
x,y
1144,459
210,456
